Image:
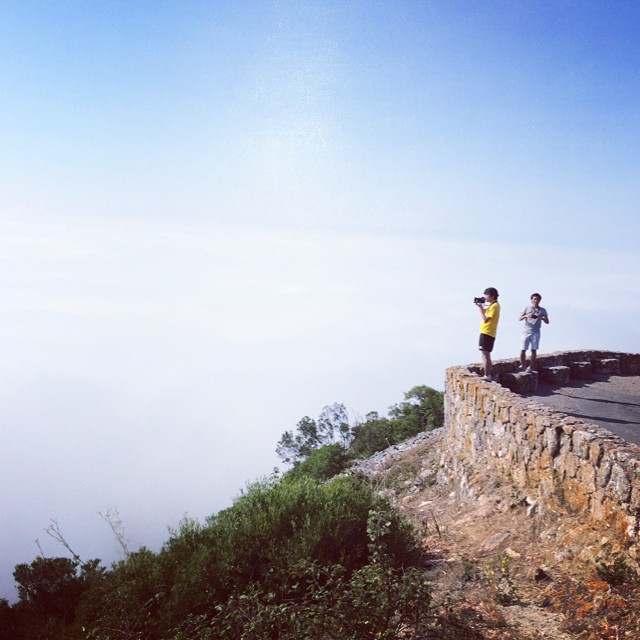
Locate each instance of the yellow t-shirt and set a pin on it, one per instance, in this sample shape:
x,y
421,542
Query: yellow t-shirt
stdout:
x,y
490,327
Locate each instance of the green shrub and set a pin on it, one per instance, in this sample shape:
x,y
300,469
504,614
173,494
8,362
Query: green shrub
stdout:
x,y
259,543
324,447
616,572
372,435
127,602
376,600
322,464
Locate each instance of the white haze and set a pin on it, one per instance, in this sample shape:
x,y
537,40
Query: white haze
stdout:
x,y
151,368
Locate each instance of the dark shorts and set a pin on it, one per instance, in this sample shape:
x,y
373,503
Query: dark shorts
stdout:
x,y
486,342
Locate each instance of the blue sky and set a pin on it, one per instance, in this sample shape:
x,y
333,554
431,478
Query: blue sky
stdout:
x,y
217,218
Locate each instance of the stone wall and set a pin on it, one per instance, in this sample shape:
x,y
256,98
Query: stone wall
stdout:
x,y
558,462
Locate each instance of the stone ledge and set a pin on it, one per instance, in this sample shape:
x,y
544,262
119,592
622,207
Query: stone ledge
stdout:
x,y
606,365
581,370
556,375
520,382
564,464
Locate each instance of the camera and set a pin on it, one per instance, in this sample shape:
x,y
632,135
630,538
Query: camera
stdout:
x,y
479,300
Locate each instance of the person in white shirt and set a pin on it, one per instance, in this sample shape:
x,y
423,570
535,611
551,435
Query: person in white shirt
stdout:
x,y
533,315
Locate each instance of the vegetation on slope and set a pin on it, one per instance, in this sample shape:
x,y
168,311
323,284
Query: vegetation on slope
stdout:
x,y
297,556
325,447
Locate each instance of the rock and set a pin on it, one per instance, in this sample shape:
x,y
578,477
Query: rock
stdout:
x,y
544,602
556,375
520,382
540,575
493,542
606,365
581,370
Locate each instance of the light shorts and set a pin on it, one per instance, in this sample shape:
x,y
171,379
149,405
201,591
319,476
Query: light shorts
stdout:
x,y
530,341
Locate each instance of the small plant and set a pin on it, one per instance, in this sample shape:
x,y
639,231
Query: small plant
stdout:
x,y
470,570
500,580
615,573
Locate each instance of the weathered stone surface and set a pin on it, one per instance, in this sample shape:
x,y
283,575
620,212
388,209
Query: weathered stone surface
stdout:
x,y
581,443
581,370
556,375
558,461
520,382
606,365
552,441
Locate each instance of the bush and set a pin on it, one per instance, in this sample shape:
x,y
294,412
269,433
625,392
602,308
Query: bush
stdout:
x,y
375,600
258,545
310,555
321,464
313,448
127,601
616,572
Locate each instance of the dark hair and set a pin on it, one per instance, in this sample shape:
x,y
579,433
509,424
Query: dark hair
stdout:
x,y
491,291
535,294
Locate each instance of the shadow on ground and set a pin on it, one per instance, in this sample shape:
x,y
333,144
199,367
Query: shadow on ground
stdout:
x,y
610,401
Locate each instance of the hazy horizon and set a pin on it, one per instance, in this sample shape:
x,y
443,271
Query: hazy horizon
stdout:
x,y
217,218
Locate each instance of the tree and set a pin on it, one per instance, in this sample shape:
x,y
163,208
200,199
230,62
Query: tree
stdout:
x,y
334,422
9,628
321,464
311,435
49,591
325,447
422,410
374,434
49,586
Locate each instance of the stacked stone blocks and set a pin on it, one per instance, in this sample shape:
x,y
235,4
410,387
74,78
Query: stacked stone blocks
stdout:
x,y
557,461
556,375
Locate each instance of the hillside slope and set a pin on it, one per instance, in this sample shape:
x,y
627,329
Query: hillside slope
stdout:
x,y
500,565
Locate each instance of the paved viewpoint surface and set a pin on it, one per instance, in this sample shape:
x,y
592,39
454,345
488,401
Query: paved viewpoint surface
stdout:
x,y
610,401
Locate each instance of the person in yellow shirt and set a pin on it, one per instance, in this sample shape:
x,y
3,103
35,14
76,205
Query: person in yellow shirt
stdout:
x,y
490,315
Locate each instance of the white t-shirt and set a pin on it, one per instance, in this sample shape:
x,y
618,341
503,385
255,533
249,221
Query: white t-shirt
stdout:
x,y
532,325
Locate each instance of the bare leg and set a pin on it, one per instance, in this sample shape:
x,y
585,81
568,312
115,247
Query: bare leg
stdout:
x,y
533,359
523,358
486,362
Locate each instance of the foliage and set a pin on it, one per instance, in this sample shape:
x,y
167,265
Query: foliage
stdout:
x,y
374,434
127,602
376,600
50,591
616,572
48,586
421,410
9,625
290,556
501,582
325,447
278,523
323,463
311,554
332,423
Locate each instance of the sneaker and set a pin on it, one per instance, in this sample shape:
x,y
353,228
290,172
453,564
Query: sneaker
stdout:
x,y
529,370
489,378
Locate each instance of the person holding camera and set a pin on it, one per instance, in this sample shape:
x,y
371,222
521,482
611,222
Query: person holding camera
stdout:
x,y
490,315
533,315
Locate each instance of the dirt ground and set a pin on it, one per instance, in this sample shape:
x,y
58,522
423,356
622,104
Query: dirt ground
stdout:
x,y
502,570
